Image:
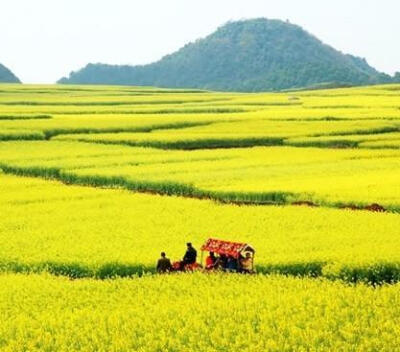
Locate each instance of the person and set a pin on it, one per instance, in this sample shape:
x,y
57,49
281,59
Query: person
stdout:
x,y
163,264
190,255
221,262
210,261
246,264
231,264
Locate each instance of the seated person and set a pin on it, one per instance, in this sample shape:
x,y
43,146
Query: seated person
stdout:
x,y
246,264
221,262
210,261
163,264
232,264
189,257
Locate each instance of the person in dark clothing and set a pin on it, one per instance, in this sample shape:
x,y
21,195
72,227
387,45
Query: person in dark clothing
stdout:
x,y
232,264
190,255
221,262
163,264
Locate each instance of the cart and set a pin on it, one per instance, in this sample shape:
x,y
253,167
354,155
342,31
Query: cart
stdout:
x,y
236,250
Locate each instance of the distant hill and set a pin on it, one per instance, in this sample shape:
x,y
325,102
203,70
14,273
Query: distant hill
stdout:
x,y
6,76
248,55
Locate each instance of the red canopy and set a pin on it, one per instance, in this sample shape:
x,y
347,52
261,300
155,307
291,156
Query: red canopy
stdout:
x,y
226,247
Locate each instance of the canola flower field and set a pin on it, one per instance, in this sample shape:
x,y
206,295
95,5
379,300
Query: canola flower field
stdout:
x,y
95,181
196,312
80,231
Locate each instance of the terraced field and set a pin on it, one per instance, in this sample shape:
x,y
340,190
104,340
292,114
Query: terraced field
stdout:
x,y
96,181
86,232
196,312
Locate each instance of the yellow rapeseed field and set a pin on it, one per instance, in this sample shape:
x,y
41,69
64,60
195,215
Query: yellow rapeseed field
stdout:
x,y
259,174
96,181
81,231
196,312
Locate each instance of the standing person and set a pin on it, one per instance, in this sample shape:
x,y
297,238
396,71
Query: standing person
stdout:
x,y
190,255
163,264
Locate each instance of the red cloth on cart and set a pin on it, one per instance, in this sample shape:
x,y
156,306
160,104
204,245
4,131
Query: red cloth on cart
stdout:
x,y
224,247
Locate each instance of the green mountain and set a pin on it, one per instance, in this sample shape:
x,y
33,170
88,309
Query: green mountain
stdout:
x,y
6,76
248,55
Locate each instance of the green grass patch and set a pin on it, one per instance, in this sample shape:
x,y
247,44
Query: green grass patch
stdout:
x,y
211,110
23,135
338,144
371,274
53,132
201,143
25,117
106,103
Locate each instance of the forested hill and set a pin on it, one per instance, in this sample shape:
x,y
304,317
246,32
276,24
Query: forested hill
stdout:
x,y
248,55
6,76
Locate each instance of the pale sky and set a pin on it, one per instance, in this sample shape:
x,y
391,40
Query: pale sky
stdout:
x,y
43,40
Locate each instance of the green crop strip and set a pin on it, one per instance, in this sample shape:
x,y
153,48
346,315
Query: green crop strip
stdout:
x,y
21,136
47,134
25,117
206,143
371,274
50,133
379,130
171,188
106,103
